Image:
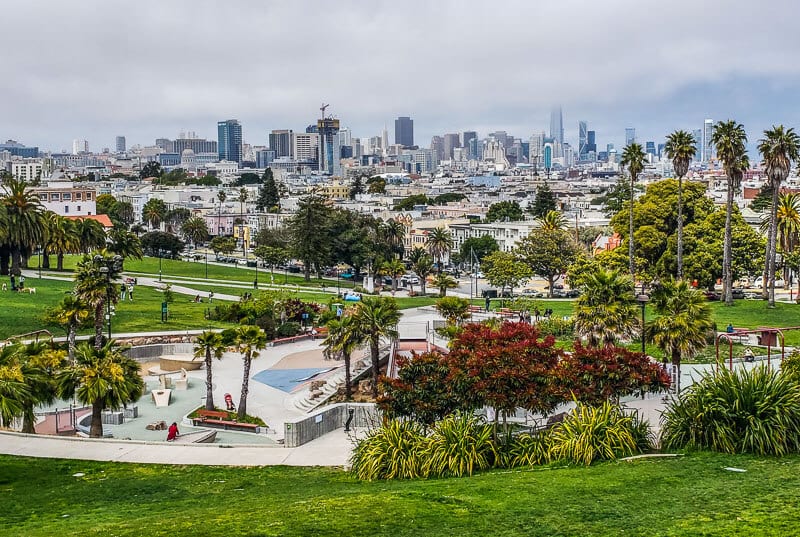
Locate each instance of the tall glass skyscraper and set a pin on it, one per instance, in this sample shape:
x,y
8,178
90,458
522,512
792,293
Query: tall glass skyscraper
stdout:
x,y
708,148
582,140
404,131
557,125
229,138
630,136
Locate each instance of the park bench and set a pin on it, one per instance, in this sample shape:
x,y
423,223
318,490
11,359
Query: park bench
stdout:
x,y
218,414
292,339
475,309
321,333
505,312
220,419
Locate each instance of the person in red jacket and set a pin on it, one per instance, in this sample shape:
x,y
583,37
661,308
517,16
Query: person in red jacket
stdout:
x,y
173,432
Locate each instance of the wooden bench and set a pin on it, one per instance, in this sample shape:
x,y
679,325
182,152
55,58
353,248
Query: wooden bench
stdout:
x,y
292,339
321,333
218,414
475,309
228,425
505,312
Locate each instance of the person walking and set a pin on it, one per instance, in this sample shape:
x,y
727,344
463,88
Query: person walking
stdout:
x,y
123,289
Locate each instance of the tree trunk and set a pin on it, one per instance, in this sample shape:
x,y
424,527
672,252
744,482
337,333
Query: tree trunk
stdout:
x,y
307,271
28,419
422,283
348,388
550,282
96,429
680,227
630,239
98,326
209,385
373,349
676,364
769,280
71,330
16,261
46,260
60,261
245,386
727,292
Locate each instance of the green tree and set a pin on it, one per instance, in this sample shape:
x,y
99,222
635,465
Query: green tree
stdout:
x,y
344,338
617,197
407,204
222,245
376,185
209,345
249,178
444,282
309,229
13,390
91,234
70,314
221,197
683,321
730,139
376,318
272,256
269,198
62,238
505,270
394,268
680,148
438,243
95,286
552,220
455,310
154,212
125,244
161,244
248,340
357,187
504,211
103,378
779,148
480,247
545,201
633,158
38,363
606,311
23,221
422,265
548,253
195,230
151,169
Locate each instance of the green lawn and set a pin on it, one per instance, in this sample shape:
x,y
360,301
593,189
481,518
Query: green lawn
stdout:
x,y
692,495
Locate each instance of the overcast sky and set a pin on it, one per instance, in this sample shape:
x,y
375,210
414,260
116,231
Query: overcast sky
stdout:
x,y
151,68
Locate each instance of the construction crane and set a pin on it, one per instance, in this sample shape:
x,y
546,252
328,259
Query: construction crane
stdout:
x,y
322,109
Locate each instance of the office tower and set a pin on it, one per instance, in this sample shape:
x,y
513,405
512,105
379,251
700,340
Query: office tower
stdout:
x,y
660,151
502,137
327,128
591,145
80,146
708,147
305,146
536,150
583,151
385,139
698,144
229,140
472,149
198,145
466,142
547,155
650,148
264,157
404,131
165,144
437,148
557,125
281,142
630,136
451,141
120,144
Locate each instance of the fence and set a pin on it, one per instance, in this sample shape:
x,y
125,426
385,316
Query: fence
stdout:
x,y
328,419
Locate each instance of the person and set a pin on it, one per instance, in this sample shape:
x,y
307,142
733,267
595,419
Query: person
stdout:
x,y
13,283
123,289
173,432
197,298
488,303
130,292
748,355
210,297
729,328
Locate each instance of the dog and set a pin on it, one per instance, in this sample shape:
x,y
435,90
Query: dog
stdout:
x,y
5,287
31,290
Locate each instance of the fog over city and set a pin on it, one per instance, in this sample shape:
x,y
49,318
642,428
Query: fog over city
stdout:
x,y
96,69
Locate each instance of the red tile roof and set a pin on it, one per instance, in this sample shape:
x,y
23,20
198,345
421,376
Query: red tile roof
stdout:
x,y
102,218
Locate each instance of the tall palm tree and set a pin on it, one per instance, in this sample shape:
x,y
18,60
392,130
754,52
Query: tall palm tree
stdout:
x,y
195,230
37,363
606,311
682,324
788,228
103,378
94,287
91,234
71,313
633,157
444,282
23,219
13,390
154,212
438,243
552,221
209,345
377,318
62,239
680,148
248,340
221,196
422,265
344,338
729,139
394,268
125,244
393,234
779,148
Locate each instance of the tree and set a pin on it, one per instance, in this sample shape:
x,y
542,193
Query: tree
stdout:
x,y
343,339
680,148
548,253
13,389
23,221
616,198
209,345
175,218
151,169
479,247
248,340
154,212
407,204
504,211
103,378
249,178
438,243
70,314
37,363
311,242
376,318
221,196
268,197
422,265
62,238
606,311
195,230
730,139
683,323
545,201
594,375
376,185
95,286
394,268
357,187
91,234
224,245
272,256
632,158
455,310
779,148
125,244
393,234
161,244
505,270
444,282
552,220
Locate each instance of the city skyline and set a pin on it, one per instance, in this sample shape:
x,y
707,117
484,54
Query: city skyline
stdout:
x,y
669,72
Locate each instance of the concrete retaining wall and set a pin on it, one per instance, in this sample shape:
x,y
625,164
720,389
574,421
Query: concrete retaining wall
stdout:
x,y
328,419
147,353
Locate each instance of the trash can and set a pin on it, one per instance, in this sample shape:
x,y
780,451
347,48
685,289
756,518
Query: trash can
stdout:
x,y
768,338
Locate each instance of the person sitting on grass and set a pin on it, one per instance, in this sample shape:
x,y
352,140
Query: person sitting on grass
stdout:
x,y
173,432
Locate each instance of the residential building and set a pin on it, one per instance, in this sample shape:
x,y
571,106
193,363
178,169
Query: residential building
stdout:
x,y
67,199
305,146
229,140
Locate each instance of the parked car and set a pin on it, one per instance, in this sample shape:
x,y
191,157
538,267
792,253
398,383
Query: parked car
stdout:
x,y
759,282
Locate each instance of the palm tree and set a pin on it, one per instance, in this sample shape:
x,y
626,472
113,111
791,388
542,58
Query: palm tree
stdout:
x,y
91,234
394,233
455,310
779,148
23,220
103,378
209,344
439,243
13,390
343,338
37,364
248,340
552,221
376,318
444,282
154,212
633,158
221,196
71,313
606,312
195,230
62,239
680,148
729,139
394,268
788,217
422,265
94,287
683,322
125,244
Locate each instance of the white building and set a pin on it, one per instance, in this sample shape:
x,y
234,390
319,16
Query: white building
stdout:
x,y
80,146
28,170
67,199
305,145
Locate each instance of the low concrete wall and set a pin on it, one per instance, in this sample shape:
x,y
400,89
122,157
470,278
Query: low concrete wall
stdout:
x,y
147,353
328,419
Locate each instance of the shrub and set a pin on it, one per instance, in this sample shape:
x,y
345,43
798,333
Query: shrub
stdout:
x,y
459,445
390,452
288,329
791,366
590,434
556,327
744,411
526,450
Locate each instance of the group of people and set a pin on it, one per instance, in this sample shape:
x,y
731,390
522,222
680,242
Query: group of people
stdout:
x,y
17,285
126,289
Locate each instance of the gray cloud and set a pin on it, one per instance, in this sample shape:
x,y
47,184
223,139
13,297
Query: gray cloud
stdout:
x,y
95,69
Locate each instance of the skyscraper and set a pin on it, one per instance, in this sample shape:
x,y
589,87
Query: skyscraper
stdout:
x,y
404,131
281,142
451,141
120,144
466,141
650,148
80,146
698,144
630,136
557,125
708,147
536,149
327,128
229,140
437,148
583,150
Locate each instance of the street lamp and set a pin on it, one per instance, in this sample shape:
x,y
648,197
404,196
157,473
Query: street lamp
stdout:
x,y
160,255
107,273
40,262
255,282
206,262
643,299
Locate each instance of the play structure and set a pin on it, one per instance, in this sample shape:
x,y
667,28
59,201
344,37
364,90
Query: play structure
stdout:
x,y
764,336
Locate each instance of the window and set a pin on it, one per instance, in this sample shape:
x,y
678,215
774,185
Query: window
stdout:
x,y
88,196
66,196
66,209
42,196
78,196
79,208
55,196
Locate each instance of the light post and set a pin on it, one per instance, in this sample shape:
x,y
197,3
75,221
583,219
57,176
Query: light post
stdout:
x,y
160,255
206,262
40,262
255,282
643,299
338,289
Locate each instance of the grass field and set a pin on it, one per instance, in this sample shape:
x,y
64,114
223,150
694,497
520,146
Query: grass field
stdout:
x,y
692,495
